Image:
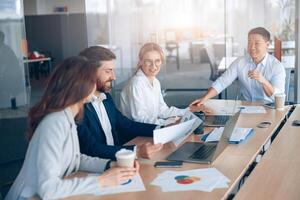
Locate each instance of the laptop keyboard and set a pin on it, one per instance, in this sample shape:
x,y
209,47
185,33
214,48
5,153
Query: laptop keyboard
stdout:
x,y
220,119
203,152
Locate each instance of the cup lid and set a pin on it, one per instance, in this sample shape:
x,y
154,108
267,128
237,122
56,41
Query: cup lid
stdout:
x,y
125,153
280,94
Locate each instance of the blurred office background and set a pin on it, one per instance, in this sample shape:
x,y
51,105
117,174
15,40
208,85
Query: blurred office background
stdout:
x,y
199,39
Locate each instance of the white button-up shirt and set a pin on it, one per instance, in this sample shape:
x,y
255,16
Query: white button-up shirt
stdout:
x,y
103,117
252,90
143,102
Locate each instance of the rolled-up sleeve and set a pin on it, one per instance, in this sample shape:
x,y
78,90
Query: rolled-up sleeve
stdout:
x,y
227,77
278,78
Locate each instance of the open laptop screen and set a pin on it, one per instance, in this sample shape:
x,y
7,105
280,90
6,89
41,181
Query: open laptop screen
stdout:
x,y
227,132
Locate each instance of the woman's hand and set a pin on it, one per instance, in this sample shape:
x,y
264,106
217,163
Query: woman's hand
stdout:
x,y
117,175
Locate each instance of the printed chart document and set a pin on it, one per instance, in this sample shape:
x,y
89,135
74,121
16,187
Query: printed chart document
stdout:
x,y
198,179
177,133
238,135
133,185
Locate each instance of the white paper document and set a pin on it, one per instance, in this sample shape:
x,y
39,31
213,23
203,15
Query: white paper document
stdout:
x,y
238,135
229,110
133,185
199,179
177,133
251,109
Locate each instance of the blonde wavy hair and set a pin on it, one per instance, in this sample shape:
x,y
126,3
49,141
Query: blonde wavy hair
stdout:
x,y
150,46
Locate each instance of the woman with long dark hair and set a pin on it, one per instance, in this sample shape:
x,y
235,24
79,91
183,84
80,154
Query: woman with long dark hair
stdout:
x,y
53,153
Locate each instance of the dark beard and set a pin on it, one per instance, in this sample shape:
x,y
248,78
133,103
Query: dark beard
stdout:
x,y
103,88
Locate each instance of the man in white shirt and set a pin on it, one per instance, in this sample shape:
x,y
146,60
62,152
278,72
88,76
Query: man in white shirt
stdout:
x,y
260,74
104,130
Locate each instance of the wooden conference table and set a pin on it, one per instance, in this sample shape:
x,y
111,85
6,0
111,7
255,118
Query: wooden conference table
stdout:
x,y
233,161
277,176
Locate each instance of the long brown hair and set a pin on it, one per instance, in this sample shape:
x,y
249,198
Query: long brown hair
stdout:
x,y
71,81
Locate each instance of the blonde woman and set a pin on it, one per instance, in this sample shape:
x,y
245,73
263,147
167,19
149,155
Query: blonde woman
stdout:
x,y
141,98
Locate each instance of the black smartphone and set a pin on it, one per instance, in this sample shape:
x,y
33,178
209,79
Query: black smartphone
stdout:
x,y
167,164
296,123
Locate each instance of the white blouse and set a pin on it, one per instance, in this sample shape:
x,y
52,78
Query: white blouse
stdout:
x,y
143,102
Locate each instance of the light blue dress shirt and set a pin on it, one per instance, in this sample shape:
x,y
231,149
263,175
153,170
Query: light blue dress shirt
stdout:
x,y
250,89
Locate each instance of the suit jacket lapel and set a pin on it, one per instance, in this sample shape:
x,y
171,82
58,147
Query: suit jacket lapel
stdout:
x,y
91,108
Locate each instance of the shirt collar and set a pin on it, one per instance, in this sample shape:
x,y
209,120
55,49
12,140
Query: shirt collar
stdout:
x,y
101,97
263,62
70,115
142,74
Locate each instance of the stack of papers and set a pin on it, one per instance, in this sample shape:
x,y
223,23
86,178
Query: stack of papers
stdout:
x,y
238,135
229,110
199,179
251,109
177,133
133,185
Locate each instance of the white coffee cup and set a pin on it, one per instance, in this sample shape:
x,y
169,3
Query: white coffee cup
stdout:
x,y
125,158
279,101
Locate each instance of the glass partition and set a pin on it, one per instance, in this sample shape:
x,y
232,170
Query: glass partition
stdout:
x,y
14,83
277,16
200,39
14,92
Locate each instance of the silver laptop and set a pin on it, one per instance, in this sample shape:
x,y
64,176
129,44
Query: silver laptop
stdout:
x,y
216,120
220,120
197,152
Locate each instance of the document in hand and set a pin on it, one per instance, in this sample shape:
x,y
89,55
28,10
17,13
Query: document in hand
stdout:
x,y
238,135
177,133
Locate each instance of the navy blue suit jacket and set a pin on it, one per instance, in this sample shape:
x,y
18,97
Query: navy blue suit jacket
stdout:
x,y
92,139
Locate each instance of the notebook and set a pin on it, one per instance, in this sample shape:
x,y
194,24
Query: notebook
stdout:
x,y
239,135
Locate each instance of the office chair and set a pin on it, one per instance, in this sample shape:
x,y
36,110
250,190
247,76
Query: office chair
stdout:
x,y
209,54
170,47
